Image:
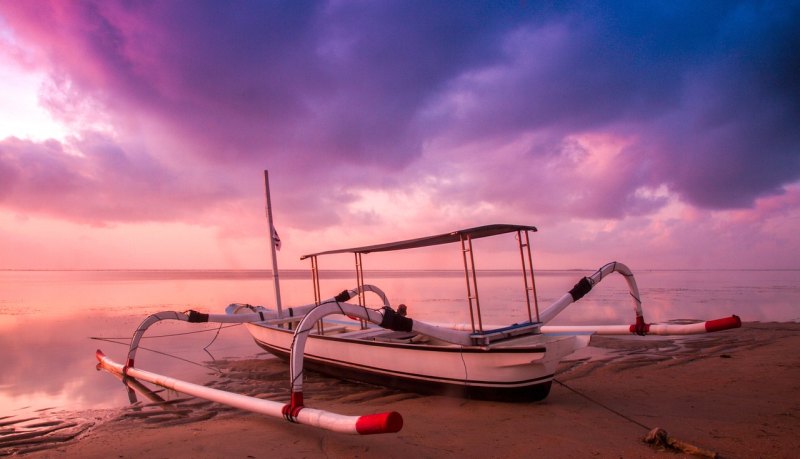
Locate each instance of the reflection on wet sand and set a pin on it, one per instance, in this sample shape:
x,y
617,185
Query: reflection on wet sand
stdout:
x,y
44,431
633,351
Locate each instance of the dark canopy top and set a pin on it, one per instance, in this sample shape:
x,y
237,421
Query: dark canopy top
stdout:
x,y
455,236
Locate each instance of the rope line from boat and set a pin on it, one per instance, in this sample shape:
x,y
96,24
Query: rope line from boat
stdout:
x,y
464,362
656,437
167,335
212,340
602,405
111,340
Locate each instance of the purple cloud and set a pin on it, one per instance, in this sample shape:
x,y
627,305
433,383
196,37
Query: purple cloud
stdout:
x,y
332,94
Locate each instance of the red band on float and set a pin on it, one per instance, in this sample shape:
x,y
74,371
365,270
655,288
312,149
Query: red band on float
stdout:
x,y
723,324
632,328
390,422
294,406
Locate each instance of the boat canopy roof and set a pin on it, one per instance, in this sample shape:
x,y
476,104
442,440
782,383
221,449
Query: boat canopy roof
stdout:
x,y
446,238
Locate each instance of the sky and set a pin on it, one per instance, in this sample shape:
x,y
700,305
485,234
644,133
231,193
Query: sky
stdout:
x,y
660,134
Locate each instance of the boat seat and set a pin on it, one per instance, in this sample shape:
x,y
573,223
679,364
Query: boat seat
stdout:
x,y
396,337
487,337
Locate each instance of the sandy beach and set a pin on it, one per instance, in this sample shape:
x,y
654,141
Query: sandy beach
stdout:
x,y
734,393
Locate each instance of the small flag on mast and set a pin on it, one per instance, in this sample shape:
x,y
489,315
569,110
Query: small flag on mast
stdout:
x,y
276,239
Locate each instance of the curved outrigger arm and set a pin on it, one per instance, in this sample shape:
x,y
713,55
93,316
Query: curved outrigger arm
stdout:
x,y
640,327
585,285
386,317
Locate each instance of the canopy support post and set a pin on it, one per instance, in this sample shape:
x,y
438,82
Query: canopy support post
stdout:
x,y
472,283
527,271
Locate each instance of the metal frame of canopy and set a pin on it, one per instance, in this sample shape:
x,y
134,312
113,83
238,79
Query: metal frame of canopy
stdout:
x,y
465,238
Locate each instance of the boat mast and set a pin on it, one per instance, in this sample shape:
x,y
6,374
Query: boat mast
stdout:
x,y
272,244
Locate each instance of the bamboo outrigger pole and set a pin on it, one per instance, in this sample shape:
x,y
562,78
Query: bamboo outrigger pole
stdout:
x,y
389,422
273,237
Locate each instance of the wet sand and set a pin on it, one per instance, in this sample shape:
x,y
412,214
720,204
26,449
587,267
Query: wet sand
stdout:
x,y
734,393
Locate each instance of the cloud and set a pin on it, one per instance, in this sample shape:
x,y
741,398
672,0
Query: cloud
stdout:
x,y
707,93
348,96
92,179
734,141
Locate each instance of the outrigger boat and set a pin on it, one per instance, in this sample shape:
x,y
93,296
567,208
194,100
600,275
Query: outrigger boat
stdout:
x,y
360,334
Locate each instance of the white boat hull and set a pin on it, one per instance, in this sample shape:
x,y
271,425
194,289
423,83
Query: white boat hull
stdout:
x,y
520,369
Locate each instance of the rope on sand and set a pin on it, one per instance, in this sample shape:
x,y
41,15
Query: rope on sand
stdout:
x,y
657,437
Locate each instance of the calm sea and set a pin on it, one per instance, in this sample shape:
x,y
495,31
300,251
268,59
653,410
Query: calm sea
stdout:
x,y
51,322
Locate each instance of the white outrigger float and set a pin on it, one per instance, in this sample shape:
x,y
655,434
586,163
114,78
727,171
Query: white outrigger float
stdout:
x,y
370,339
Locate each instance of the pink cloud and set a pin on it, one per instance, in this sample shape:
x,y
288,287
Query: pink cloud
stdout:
x,y
94,180
491,111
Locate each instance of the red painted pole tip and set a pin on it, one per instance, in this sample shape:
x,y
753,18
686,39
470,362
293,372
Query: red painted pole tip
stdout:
x,y
723,324
390,422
